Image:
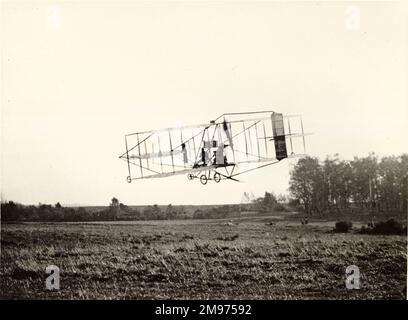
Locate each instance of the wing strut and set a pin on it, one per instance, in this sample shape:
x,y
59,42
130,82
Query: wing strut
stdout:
x,y
257,140
290,137
147,159
127,157
303,134
140,159
246,143
266,144
171,152
160,153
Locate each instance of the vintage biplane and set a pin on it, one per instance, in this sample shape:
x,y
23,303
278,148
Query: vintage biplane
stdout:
x,y
224,148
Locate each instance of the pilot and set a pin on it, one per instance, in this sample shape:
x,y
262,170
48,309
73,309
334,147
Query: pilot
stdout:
x,y
203,154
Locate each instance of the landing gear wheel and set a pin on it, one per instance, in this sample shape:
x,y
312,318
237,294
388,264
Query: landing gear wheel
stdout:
x,y
190,176
217,177
128,179
203,179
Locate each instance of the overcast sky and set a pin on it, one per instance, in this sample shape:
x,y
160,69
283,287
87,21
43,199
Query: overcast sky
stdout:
x,y
76,77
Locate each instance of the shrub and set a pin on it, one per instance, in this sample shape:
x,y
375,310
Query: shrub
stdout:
x,y
229,238
388,227
343,226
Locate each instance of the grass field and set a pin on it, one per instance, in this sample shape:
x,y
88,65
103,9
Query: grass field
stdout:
x,y
199,259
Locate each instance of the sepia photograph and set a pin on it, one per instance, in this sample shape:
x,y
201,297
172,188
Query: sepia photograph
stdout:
x,y
223,151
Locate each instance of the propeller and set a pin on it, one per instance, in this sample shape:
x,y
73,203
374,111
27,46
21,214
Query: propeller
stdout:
x,y
228,133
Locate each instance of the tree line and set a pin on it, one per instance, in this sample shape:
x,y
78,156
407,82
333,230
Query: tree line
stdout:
x,y
11,211
332,185
366,184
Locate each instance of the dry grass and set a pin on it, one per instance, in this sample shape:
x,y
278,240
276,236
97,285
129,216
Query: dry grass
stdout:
x,y
199,259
